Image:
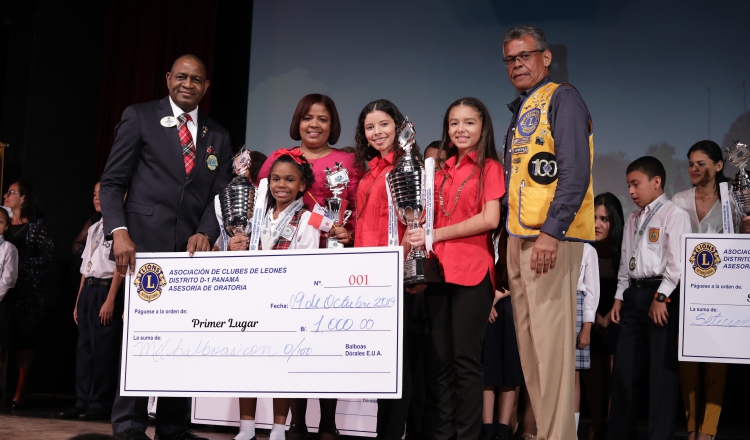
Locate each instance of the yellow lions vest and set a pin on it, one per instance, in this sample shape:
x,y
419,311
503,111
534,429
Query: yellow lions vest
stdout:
x,y
533,169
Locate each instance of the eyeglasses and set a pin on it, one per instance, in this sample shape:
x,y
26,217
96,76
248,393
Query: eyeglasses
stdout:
x,y
10,193
522,57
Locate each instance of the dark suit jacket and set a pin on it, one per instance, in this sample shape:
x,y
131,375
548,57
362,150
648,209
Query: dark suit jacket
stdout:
x,y
164,207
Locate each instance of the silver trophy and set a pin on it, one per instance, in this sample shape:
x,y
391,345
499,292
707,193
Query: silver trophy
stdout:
x,y
739,154
337,180
406,183
237,203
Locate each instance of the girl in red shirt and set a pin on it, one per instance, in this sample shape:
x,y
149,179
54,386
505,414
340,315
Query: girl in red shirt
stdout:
x,y
375,139
376,145
468,189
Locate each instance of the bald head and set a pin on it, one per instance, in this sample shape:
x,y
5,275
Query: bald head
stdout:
x,y
187,82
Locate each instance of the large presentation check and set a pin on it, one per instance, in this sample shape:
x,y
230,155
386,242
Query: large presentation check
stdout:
x,y
715,307
312,323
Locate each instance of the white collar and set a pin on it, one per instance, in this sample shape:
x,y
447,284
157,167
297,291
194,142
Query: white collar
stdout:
x,y
177,111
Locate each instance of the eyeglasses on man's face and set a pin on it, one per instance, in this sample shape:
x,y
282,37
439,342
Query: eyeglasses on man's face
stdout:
x,y
521,56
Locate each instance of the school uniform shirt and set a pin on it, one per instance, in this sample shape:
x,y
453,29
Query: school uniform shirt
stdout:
x,y
95,257
372,204
588,282
8,266
657,252
306,236
713,222
466,260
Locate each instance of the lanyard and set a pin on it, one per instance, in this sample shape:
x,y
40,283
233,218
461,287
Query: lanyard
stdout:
x,y
99,234
638,235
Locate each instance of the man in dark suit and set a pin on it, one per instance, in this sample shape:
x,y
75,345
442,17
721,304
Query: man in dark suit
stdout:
x,y
171,161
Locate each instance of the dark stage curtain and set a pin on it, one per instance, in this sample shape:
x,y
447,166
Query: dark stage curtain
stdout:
x,y
142,39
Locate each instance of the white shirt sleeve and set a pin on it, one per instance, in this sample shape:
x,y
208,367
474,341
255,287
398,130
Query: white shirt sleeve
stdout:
x,y
588,282
9,255
308,237
677,225
623,274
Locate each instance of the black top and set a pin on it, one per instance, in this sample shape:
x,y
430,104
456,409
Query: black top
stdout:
x,y
607,286
17,235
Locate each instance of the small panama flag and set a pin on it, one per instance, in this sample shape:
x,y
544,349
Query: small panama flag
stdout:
x,y
319,220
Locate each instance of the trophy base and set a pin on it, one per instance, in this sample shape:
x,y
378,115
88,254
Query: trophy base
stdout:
x,y
421,271
333,243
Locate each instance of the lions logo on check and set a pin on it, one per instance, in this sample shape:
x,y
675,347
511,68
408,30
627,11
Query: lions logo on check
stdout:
x,y
149,281
653,235
705,259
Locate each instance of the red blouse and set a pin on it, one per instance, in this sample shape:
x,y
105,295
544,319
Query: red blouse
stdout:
x,y
466,260
372,205
319,191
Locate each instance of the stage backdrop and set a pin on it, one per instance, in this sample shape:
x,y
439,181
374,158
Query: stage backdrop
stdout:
x,y
657,77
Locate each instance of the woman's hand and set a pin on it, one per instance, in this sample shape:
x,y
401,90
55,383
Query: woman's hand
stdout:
x,y
415,237
498,296
602,322
239,242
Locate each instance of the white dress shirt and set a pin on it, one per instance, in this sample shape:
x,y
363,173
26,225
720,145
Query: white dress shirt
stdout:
x,y
96,262
588,282
657,252
192,124
713,222
8,267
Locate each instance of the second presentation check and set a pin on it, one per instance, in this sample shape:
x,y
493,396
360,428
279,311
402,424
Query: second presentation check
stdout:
x,y
315,323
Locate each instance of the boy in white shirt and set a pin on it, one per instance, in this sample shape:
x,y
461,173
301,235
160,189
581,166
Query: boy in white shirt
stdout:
x,y
98,314
646,305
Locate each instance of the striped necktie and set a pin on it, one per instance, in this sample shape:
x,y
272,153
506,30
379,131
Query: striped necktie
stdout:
x,y
186,141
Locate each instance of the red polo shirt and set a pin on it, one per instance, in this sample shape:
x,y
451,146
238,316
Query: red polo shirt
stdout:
x,y
466,261
372,205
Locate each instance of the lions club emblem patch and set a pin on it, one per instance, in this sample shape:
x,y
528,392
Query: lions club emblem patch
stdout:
x,y
705,259
529,121
149,281
653,235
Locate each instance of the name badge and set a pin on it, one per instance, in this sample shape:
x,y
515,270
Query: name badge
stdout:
x,y
168,121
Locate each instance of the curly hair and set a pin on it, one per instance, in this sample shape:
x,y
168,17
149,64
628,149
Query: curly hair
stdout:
x,y
363,152
305,171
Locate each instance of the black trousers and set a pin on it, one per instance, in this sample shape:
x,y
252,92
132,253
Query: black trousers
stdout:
x,y
646,353
98,349
392,413
458,318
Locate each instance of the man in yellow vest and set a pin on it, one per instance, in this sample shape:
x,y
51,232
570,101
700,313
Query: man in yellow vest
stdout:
x,y
548,154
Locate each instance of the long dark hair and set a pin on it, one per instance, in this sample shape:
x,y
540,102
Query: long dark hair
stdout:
x,y
713,151
29,208
485,148
305,171
363,152
616,224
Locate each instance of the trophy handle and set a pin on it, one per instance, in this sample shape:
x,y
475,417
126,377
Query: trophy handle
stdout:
x,y
347,214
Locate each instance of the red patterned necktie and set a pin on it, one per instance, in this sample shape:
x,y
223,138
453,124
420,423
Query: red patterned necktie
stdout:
x,y
186,141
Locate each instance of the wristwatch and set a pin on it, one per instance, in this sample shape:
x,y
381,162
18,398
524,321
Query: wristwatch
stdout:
x,y
660,297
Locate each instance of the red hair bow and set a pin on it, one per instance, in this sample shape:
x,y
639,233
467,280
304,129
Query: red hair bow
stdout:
x,y
294,153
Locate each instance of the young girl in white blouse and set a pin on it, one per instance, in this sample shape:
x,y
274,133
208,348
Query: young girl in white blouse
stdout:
x,y
8,276
286,225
